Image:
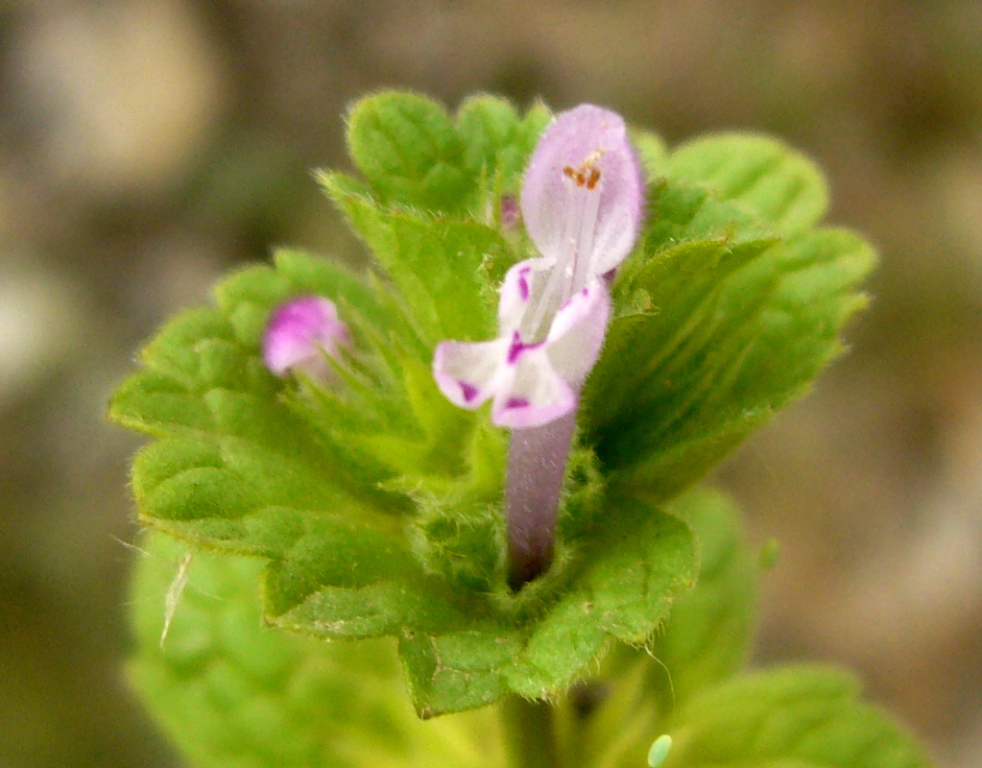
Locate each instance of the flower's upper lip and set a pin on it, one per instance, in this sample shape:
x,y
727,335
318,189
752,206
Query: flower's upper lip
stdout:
x,y
585,136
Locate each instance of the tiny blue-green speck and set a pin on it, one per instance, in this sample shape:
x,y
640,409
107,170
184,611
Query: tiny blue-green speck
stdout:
x,y
659,750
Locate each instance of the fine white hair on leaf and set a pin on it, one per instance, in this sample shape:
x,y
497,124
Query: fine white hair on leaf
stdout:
x,y
663,665
128,545
174,596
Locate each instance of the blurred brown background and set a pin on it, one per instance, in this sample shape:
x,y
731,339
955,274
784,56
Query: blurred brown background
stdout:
x,y
148,145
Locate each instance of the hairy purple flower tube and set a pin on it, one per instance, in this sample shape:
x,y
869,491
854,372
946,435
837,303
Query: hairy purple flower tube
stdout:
x,y
582,204
301,334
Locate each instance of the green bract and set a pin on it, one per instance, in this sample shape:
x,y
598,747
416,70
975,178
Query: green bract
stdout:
x,y
377,505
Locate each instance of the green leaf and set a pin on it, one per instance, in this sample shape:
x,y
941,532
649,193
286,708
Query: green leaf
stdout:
x,y
174,351
265,489
680,214
487,125
761,174
458,531
158,405
498,142
438,265
235,460
704,641
232,692
707,636
792,304
634,570
806,716
457,671
408,150
736,326
652,152
413,155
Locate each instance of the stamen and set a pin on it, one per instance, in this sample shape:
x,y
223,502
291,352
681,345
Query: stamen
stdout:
x,y
587,174
560,277
570,273
588,225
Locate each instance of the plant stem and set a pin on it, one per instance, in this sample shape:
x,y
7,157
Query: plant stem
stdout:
x,y
529,734
536,465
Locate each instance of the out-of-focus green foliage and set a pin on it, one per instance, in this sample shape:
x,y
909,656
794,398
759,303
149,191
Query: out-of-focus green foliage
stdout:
x,y
807,716
708,635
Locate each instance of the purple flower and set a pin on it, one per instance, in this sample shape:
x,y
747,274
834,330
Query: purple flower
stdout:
x,y
301,335
582,202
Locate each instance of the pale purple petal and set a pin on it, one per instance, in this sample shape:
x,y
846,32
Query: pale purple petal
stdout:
x,y
522,284
534,394
467,373
300,333
585,135
577,333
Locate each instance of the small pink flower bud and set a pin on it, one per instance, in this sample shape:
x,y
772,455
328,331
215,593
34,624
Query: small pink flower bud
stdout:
x,y
301,335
